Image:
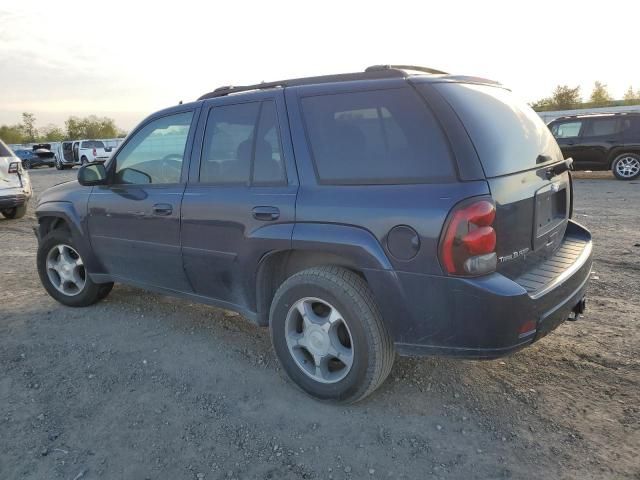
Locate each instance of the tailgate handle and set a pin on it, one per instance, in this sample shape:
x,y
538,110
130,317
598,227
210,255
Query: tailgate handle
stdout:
x,y
559,168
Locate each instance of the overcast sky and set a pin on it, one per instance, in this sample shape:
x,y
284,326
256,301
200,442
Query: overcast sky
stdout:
x,y
127,59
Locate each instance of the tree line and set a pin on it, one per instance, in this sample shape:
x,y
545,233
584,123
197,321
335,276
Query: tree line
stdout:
x,y
74,128
565,97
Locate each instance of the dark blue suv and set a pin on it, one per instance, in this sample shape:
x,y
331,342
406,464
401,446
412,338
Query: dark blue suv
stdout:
x,y
400,209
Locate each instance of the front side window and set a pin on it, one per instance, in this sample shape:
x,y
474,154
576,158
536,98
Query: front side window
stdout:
x,y
375,137
567,130
155,154
242,145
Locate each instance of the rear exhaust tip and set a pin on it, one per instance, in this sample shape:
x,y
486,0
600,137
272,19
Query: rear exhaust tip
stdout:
x,y
578,310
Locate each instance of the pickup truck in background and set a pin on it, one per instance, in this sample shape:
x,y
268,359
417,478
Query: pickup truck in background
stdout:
x,y
90,151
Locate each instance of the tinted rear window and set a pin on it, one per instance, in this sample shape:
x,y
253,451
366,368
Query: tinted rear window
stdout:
x,y
375,137
508,135
92,144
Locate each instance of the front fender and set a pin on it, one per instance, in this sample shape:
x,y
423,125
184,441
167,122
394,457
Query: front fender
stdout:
x,y
67,212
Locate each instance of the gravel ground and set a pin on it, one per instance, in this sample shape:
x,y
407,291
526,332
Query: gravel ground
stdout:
x,y
145,386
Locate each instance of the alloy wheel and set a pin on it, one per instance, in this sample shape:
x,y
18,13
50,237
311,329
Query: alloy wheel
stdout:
x,y
628,166
319,340
65,270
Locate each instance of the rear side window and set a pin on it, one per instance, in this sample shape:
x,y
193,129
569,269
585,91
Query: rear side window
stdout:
x,y
566,130
242,145
597,127
508,135
375,137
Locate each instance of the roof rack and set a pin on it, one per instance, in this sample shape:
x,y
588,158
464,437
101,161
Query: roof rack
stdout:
x,y
595,114
415,68
370,73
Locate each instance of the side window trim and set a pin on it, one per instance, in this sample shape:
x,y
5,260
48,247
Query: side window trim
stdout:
x,y
202,138
186,162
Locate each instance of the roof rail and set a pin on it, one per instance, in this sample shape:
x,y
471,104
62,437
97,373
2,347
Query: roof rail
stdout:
x,y
377,68
368,74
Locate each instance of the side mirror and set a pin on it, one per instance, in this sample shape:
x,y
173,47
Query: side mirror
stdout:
x,y
133,176
92,174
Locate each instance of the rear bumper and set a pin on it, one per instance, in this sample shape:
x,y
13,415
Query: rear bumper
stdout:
x,y
485,317
12,201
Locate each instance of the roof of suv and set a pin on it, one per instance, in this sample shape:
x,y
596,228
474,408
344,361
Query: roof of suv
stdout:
x,y
370,73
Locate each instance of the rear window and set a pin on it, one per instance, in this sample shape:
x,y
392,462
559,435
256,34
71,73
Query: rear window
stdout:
x,y
375,137
92,144
508,135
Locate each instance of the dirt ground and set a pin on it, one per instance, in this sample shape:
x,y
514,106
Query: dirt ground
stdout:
x,y
145,386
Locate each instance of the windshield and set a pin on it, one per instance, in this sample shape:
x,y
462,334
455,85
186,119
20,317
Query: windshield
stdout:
x,y
508,135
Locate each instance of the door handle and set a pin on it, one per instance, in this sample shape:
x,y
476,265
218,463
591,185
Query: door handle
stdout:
x,y
266,214
162,209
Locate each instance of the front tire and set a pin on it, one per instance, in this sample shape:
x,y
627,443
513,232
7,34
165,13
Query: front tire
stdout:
x,y
626,166
15,212
329,335
63,274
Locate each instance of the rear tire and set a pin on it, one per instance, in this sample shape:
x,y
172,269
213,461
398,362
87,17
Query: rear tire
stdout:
x,y
84,160
626,166
58,270
330,296
15,212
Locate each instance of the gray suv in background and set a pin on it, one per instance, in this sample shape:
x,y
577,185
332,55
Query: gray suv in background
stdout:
x,y
396,210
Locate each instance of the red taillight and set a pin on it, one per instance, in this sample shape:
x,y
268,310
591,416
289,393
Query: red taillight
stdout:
x,y
14,167
95,152
469,241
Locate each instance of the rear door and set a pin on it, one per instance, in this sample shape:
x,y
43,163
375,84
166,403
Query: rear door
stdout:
x,y
517,152
240,202
568,135
599,136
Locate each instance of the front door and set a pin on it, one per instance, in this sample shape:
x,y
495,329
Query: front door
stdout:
x,y
67,152
134,222
239,204
76,152
568,137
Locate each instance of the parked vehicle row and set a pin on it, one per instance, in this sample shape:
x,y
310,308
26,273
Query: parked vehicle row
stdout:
x,y
601,142
400,209
39,155
15,186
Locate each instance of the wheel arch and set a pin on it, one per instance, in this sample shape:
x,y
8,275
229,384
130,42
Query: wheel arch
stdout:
x,y
316,245
617,151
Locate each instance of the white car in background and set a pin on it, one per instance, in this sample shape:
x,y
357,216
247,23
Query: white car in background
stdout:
x,y
15,186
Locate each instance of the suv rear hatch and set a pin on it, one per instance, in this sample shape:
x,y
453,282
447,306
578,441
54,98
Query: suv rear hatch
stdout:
x,y
528,178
